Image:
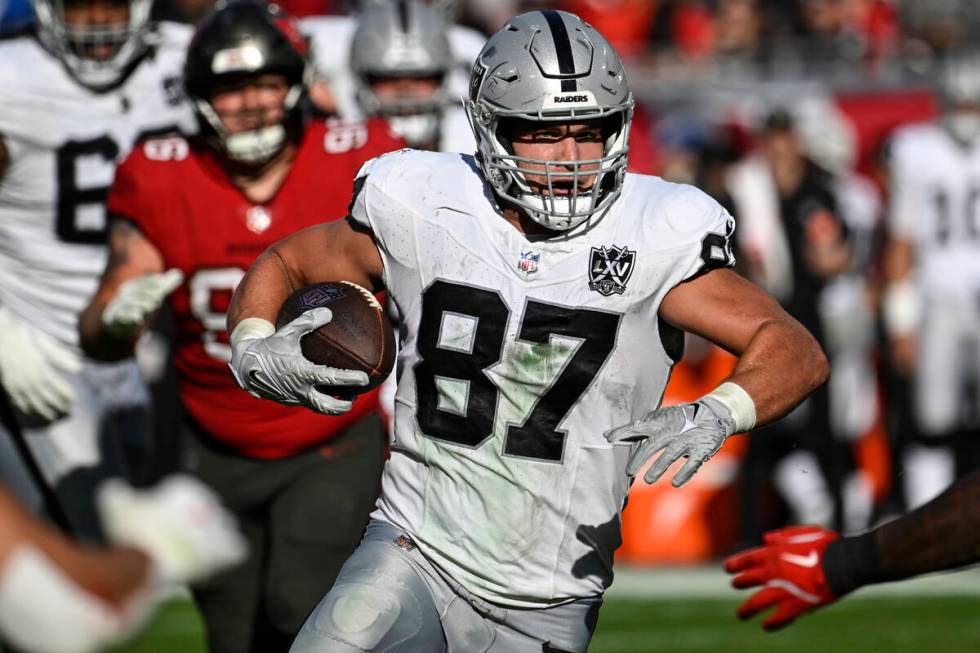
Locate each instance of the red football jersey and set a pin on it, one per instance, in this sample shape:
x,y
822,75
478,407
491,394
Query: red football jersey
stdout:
x,y
184,203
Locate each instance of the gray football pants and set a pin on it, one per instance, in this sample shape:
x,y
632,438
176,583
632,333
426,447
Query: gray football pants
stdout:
x,y
389,598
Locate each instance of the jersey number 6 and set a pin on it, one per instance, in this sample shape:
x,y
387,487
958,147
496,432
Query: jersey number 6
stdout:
x,y
462,363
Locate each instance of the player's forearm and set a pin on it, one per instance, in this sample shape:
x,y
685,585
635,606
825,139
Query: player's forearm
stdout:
x,y
113,574
262,291
780,367
940,535
96,341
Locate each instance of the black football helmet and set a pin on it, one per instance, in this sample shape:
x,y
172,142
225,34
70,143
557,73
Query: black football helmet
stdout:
x,y
242,39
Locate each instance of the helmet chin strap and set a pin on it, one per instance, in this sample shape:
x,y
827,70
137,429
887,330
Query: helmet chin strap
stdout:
x,y
255,146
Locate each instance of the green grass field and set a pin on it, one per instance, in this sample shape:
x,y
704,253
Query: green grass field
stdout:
x,y
886,624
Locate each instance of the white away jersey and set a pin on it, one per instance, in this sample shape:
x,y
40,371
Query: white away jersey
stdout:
x,y
64,142
517,357
936,206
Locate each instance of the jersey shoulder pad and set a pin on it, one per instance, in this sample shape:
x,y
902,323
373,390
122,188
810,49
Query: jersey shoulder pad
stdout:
x,y
400,183
677,213
173,36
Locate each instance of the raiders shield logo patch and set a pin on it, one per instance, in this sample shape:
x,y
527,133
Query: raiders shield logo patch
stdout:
x,y
610,268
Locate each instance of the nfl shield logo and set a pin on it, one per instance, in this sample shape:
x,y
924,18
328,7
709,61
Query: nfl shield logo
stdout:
x,y
610,268
528,263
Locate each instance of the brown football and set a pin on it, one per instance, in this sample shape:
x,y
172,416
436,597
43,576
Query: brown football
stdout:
x,y
359,337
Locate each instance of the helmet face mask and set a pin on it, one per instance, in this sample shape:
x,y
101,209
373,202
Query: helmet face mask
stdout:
x,y
240,44
532,70
405,45
98,56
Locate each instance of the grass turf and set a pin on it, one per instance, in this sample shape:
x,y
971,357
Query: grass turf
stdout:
x,y
862,625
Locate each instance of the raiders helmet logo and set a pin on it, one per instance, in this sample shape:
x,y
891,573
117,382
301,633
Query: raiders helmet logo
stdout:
x,y
610,268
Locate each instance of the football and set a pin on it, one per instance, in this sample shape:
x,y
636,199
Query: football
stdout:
x,y
359,337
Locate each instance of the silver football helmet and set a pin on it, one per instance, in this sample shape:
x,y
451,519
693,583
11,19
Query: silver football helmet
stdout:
x,y
550,66
74,46
960,91
402,39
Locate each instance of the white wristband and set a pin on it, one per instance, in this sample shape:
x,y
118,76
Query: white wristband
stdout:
x,y
738,402
901,308
251,328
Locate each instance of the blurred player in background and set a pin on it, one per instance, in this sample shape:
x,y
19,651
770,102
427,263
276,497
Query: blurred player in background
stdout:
x,y
543,291
932,274
792,242
332,44
402,63
802,568
59,597
95,77
189,217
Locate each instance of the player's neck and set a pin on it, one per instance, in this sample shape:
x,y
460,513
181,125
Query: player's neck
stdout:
x,y
259,183
520,220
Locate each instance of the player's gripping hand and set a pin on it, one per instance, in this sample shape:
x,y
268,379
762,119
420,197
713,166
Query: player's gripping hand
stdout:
x,y
29,364
789,568
137,299
179,523
270,364
693,431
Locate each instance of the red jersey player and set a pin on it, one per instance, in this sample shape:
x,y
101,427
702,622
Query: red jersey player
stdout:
x,y
190,215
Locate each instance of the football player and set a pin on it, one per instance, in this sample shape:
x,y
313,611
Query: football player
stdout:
x,y
188,218
76,95
932,273
57,596
802,568
401,61
332,44
543,292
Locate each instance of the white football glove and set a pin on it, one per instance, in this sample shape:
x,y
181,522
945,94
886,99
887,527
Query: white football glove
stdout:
x,y
28,362
137,299
179,523
270,364
693,431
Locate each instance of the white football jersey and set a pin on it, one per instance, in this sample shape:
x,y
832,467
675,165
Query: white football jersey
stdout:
x,y
936,206
64,142
517,356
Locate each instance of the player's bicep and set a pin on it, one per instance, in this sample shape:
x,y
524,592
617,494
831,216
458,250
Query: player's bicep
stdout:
x,y
333,251
723,307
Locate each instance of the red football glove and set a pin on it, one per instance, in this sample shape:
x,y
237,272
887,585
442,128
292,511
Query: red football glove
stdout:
x,y
789,567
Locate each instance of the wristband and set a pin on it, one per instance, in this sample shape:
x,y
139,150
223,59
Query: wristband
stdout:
x,y
251,328
738,402
901,308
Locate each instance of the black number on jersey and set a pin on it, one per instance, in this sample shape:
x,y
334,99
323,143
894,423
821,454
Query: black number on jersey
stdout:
x,y
71,198
69,224
948,215
716,250
472,424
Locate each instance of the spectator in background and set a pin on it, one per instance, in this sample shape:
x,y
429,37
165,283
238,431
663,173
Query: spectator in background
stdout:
x,y
792,241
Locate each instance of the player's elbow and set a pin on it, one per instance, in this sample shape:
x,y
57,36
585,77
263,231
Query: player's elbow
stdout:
x,y
813,363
